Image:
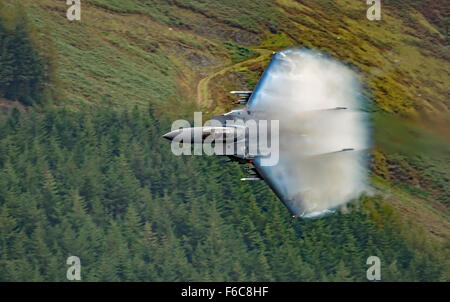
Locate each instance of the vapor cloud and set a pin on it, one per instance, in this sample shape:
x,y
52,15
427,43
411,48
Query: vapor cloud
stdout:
x,y
306,91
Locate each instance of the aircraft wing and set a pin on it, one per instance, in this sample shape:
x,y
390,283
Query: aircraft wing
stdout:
x,y
306,186
276,80
271,69
305,79
309,93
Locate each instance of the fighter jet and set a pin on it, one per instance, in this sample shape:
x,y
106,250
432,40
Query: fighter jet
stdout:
x,y
309,154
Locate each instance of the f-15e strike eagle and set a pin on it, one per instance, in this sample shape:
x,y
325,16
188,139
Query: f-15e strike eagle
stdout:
x,y
316,160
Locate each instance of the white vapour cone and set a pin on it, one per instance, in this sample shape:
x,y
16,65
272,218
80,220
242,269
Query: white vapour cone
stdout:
x,y
322,132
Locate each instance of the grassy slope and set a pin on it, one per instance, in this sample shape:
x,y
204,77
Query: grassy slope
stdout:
x,y
123,52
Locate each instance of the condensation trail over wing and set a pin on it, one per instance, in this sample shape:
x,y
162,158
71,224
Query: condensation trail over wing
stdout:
x,y
323,135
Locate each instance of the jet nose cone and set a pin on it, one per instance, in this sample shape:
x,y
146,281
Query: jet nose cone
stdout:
x,y
169,136
172,135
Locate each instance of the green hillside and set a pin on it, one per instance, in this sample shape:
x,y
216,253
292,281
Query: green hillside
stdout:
x,y
84,171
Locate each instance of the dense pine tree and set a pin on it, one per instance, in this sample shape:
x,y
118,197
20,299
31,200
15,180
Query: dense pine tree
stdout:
x,y
116,197
27,65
